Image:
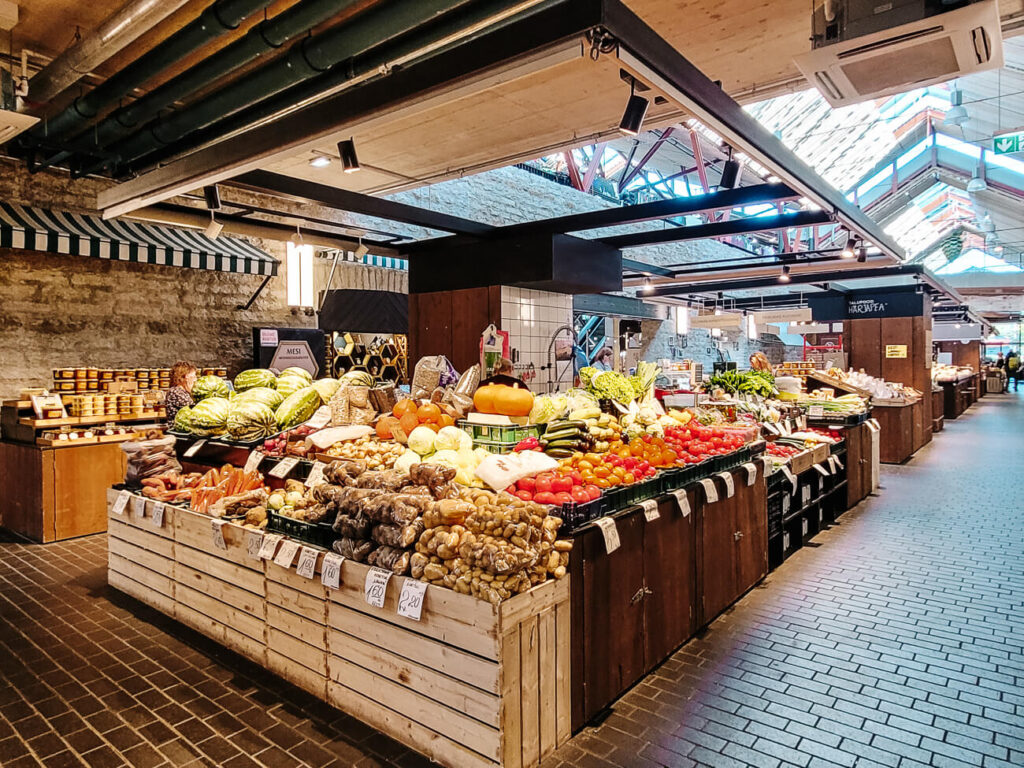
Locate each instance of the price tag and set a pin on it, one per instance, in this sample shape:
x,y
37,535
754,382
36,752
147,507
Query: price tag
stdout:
x,y
816,411
376,585
838,461
710,491
650,507
286,554
158,515
217,534
683,501
804,527
120,503
802,421
307,563
194,448
410,602
751,472
269,547
610,533
772,428
785,504
316,474
789,476
253,462
730,488
320,419
805,495
138,506
253,544
832,465
785,428
875,426
284,466
330,576
785,541
821,469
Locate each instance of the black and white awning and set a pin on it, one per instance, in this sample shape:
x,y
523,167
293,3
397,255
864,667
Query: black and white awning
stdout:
x,y
76,234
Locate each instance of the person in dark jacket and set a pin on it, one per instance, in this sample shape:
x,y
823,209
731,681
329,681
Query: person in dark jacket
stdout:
x,y
183,378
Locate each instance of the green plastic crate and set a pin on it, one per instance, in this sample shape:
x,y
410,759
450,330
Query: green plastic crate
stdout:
x,y
499,437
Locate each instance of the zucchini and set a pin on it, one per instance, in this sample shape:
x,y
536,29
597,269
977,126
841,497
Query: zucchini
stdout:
x,y
556,426
560,453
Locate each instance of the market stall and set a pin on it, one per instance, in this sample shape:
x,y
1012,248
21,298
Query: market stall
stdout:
x,y
959,388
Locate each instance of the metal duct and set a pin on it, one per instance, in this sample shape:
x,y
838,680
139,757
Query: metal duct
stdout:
x,y
223,16
258,41
303,61
115,34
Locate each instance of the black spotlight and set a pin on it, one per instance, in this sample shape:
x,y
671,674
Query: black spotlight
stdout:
x,y
730,174
784,276
347,151
862,254
636,109
212,196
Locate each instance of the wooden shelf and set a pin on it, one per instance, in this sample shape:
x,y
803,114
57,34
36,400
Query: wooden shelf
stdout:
x,y
75,421
94,440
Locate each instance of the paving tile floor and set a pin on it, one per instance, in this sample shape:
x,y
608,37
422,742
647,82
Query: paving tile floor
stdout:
x,y
897,640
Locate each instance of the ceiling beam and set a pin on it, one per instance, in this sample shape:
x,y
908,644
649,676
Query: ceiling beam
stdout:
x,y
644,268
300,190
630,174
773,281
718,229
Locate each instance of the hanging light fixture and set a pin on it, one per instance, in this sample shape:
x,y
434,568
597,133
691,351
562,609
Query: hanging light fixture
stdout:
x,y
636,109
977,182
214,228
850,249
730,172
212,196
347,152
647,285
784,275
862,253
957,114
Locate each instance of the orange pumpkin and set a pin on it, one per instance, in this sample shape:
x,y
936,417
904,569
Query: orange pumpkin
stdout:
x,y
503,399
403,407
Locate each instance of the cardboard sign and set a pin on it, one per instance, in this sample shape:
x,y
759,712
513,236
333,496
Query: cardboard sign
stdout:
x,y
44,406
610,533
270,542
320,419
253,544
217,534
120,503
838,461
895,351
286,554
307,563
376,585
138,506
821,469
194,448
253,462
650,507
330,575
816,411
730,488
789,476
683,501
710,492
158,515
410,601
316,474
284,467
751,473
268,337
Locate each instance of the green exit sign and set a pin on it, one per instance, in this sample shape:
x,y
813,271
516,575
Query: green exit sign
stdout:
x,y
1011,142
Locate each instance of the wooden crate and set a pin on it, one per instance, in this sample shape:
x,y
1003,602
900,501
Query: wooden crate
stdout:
x,y
470,684
801,462
297,628
819,453
140,556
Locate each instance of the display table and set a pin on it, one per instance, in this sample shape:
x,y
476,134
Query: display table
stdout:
x,y
896,443
863,452
671,576
956,396
468,685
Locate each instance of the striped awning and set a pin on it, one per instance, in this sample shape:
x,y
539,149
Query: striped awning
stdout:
x,y
76,234
387,262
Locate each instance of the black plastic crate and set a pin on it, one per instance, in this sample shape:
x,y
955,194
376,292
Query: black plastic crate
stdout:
x,y
575,514
317,534
775,507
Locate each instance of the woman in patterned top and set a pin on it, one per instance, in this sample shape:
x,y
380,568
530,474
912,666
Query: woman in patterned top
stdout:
x,y
183,377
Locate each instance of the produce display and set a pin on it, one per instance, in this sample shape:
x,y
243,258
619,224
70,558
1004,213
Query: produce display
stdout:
x,y
376,453
756,382
503,399
845,405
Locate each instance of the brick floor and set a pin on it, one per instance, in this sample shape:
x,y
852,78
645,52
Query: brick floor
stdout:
x,y
897,640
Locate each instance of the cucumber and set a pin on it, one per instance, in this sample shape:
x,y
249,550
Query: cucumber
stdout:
x,y
560,453
555,426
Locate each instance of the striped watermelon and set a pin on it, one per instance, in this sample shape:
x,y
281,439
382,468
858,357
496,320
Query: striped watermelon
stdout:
x,y
251,420
254,377
297,408
326,387
286,385
265,395
210,417
183,420
302,373
210,386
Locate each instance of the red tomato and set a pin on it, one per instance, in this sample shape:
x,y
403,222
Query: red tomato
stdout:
x,y
577,478
579,495
525,495
560,484
592,491
527,484
563,498
545,497
544,482
511,489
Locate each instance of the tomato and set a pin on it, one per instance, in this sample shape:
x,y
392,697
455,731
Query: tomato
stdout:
x,y
587,477
525,495
613,480
592,491
602,482
545,497
579,495
543,482
602,471
527,484
563,498
629,478
577,477
561,484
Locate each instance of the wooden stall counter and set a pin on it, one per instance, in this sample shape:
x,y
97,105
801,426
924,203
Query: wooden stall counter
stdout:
x,y
469,684
900,423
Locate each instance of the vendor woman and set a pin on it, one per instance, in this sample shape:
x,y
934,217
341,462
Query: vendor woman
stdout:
x,y
183,377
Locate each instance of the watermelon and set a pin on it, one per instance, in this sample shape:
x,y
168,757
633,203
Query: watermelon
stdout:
x,y
183,420
302,373
326,388
251,420
288,384
254,377
210,386
210,416
264,395
297,408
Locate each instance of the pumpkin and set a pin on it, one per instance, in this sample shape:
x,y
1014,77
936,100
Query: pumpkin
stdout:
x,y
503,399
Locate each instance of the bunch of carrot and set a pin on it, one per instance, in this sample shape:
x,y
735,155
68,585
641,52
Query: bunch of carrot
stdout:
x,y
170,486
218,484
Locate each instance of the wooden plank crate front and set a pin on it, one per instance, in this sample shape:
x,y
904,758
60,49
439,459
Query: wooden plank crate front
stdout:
x,y
470,684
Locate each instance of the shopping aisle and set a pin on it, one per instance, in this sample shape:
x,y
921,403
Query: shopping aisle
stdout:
x,y
898,641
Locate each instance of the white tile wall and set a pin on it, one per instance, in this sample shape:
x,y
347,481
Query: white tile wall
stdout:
x,y
531,318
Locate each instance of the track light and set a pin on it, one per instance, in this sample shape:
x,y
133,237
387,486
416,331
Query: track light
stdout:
x,y
784,275
862,254
347,151
212,196
850,249
957,114
730,173
647,285
636,109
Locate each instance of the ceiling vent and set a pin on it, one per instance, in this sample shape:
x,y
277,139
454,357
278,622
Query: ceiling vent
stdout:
x,y
863,49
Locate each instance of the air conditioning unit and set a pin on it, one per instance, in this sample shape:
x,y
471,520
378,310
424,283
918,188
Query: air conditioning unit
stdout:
x,y
863,49
12,122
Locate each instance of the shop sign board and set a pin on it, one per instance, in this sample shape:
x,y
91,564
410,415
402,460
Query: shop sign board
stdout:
x,y
1008,143
294,354
895,350
724,320
893,304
